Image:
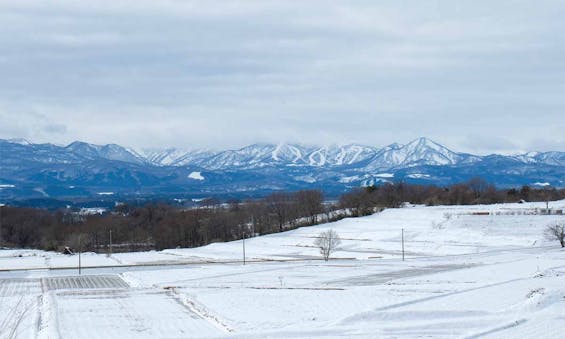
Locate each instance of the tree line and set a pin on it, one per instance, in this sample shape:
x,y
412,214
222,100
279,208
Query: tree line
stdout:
x,y
362,201
159,226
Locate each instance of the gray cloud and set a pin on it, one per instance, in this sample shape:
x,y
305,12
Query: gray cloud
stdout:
x,y
476,75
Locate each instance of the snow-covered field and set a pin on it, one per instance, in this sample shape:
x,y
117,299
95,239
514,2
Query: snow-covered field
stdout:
x,y
470,272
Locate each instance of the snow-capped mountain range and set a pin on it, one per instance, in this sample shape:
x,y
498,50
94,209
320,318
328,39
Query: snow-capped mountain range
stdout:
x,y
82,169
421,151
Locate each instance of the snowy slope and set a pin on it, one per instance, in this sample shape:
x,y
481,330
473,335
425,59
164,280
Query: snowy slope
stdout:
x,y
466,275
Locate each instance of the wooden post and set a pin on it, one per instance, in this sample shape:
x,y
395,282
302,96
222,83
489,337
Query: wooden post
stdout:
x,y
243,247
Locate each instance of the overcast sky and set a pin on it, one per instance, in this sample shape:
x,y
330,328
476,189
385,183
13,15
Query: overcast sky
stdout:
x,y
477,76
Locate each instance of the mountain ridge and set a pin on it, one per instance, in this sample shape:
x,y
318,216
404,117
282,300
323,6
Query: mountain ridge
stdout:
x,y
91,169
413,153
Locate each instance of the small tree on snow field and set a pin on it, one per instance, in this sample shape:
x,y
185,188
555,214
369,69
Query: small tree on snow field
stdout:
x,y
327,241
556,231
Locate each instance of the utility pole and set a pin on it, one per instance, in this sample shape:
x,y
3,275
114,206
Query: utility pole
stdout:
x,y
243,247
403,244
547,192
79,250
110,243
1,226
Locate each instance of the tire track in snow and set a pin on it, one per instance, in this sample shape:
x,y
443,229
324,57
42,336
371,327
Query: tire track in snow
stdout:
x,y
199,310
421,300
356,317
230,274
380,278
498,329
47,322
449,294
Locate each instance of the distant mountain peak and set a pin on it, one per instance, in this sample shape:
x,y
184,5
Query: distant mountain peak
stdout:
x,y
81,146
108,151
424,142
20,141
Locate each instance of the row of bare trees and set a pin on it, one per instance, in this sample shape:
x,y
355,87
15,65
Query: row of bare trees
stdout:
x,y
363,201
158,226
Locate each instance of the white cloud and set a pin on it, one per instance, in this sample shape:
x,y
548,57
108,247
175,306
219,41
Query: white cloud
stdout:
x,y
223,74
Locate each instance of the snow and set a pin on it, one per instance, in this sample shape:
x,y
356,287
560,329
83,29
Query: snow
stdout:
x,y
125,314
196,176
418,176
373,182
305,178
41,191
296,152
18,301
92,210
318,157
162,157
350,154
358,150
367,179
274,154
347,180
470,271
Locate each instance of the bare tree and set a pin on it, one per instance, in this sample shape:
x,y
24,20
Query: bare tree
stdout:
x,y
478,185
310,205
556,231
358,201
327,241
282,205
